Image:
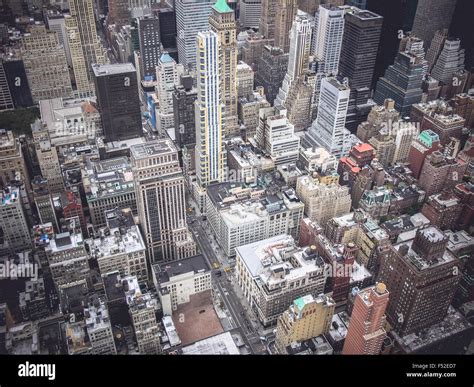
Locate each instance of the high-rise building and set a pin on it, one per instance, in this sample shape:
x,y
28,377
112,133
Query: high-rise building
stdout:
x,y
323,201
276,135
45,64
71,208
437,44
271,71
119,13
449,62
440,172
222,22
56,22
150,41
300,44
117,96
43,201
67,256
160,189
142,306
81,28
267,19
167,23
192,16
443,210
99,329
306,318
12,162
17,83
421,276
284,16
432,16
245,79
250,11
249,108
168,74
272,273
402,82
426,143
362,31
184,97
47,156
210,153
327,38
119,249
366,331
13,224
328,130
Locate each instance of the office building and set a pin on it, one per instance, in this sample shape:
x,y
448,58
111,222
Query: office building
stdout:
x,y
56,22
245,79
273,272
432,16
323,201
192,16
440,172
177,281
168,74
250,11
222,22
17,83
366,331
284,15
150,41
99,329
108,184
421,277
117,96
328,130
239,216
32,301
45,64
119,249
426,143
306,318
67,256
70,206
249,108
160,192
119,13
84,42
449,63
362,31
402,82
276,136
12,163
443,210
47,156
271,70
184,97
300,44
142,308
13,223
209,107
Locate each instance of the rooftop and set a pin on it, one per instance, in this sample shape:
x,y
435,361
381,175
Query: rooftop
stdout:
x,y
10,195
221,6
152,148
166,271
112,69
221,344
119,241
96,316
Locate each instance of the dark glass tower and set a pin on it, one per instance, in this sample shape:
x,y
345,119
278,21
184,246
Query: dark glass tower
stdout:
x,y
360,44
402,83
117,97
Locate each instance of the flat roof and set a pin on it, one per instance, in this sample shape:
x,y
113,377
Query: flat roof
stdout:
x,y
166,271
101,70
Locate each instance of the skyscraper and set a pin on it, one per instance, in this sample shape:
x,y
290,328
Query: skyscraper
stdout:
x,y
82,22
149,40
431,16
402,82
360,43
222,22
160,189
167,76
117,97
449,62
328,130
366,329
45,64
271,71
250,12
210,152
184,96
326,46
192,16
284,16
421,276
267,19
